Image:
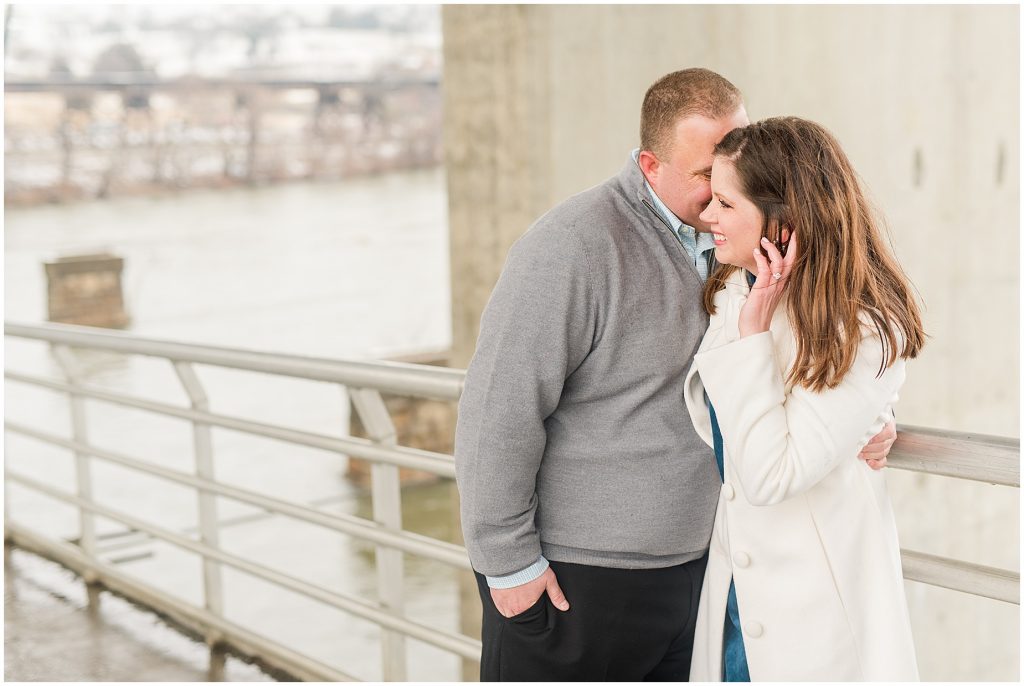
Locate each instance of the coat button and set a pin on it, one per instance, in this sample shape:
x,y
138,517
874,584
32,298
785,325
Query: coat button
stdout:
x,y
728,492
753,629
741,559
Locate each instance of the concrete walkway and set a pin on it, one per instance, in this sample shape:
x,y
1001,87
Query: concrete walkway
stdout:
x,y
57,630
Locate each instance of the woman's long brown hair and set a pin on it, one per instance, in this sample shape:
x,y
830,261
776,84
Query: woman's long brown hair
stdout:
x,y
797,175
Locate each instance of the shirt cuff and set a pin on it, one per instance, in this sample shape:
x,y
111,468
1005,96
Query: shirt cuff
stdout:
x,y
523,576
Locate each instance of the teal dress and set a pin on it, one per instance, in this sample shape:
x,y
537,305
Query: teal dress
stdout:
x,y
734,655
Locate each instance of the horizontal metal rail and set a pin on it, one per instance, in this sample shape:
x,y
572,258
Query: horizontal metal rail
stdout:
x,y
197,619
408,542
988,582
991,459
455,643
412,458
419,381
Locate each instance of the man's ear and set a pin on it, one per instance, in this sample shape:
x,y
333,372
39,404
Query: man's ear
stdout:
x,y
649,165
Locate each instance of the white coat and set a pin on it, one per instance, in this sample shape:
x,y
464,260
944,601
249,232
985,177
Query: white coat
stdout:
x,y
803,525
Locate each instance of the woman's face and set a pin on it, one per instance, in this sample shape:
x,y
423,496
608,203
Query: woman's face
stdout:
x,y
735,221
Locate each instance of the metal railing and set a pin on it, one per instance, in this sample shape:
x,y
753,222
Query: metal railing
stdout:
x,y
982,458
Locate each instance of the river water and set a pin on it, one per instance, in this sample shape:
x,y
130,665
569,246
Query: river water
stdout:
x,y
355,269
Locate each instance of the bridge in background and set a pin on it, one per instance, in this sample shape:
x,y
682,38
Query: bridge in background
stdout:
x,y
207,131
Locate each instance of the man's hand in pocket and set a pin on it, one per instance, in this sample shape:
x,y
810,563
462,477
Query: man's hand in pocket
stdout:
x,y
516,600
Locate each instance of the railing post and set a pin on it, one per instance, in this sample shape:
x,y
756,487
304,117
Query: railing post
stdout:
x,y
386,491
83,473
208,529
7,508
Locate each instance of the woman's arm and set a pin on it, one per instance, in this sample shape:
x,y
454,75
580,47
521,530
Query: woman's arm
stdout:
x,y
782,445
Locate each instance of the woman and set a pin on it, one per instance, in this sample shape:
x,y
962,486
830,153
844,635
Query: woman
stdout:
x,y
802,360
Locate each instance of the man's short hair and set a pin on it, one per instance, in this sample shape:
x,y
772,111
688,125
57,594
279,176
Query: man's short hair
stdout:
x,y
682,94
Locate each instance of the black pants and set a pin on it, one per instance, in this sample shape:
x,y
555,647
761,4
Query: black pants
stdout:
x,y
622,625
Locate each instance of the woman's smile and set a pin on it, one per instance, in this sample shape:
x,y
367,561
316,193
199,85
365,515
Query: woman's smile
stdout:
x,y
734,220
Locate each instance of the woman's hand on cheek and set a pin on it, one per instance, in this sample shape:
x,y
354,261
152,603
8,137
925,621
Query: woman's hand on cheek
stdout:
x,y
766,293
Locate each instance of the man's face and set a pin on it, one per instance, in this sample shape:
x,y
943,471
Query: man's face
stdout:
x,y
682,179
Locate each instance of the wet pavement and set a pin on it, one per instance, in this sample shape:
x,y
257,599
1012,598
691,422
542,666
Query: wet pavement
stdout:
x,y
55,629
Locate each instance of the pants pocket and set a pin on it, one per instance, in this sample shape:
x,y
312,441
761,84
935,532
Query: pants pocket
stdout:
x,y
533,615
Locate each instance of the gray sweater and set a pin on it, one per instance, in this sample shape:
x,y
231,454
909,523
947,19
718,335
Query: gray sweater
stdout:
x,y
573,439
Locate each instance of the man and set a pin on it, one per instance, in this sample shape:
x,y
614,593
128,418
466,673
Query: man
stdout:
x,y
587,497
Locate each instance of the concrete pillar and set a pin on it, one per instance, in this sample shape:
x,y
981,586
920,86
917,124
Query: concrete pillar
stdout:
x,y
75,120
496,147
249,105
322,130
543,101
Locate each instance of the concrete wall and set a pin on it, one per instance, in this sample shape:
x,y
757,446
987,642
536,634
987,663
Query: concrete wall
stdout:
x,y
543,101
